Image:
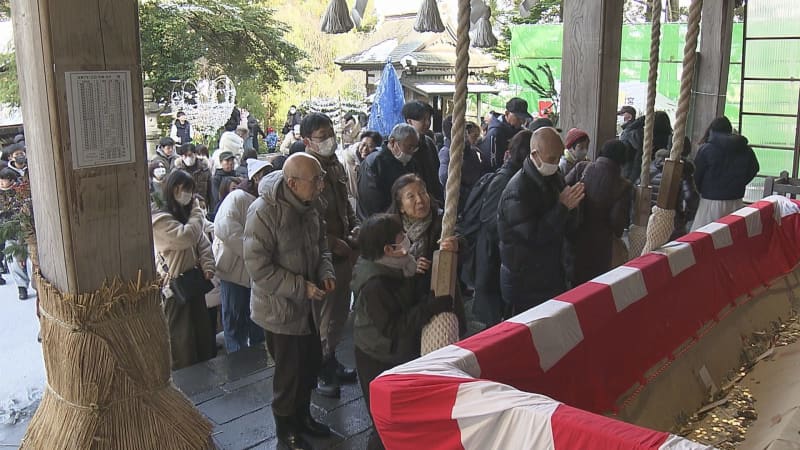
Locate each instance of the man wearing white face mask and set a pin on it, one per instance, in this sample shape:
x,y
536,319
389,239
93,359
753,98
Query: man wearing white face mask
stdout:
x,y
536,212
383,167
340,219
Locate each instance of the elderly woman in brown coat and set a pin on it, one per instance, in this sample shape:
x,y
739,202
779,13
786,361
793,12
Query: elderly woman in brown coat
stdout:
x,y
605,211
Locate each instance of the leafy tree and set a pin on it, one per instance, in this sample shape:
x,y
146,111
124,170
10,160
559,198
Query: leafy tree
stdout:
x,y
241,38
9,85
544,88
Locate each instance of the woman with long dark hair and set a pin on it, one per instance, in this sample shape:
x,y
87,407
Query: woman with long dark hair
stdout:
x,y
181,245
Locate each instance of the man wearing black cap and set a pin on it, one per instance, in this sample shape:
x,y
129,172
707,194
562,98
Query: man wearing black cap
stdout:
x,y
227,170
633,137
628,113
501,130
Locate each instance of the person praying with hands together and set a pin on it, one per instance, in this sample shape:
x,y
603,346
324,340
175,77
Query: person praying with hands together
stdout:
x,y
536,212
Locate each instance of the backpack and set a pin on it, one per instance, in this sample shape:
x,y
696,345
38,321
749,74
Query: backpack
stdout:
x,y
469,226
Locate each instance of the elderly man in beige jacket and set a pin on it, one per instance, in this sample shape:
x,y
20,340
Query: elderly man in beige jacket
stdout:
x,y
286,254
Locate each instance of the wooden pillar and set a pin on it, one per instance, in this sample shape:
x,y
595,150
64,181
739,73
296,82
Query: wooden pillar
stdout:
x,y
104,338
590,71
711,80
93,224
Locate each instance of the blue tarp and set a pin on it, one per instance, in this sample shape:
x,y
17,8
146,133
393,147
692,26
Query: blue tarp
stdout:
x,y
387,110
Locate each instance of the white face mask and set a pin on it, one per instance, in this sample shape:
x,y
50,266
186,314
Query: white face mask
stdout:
x,y
184,198
546,169
579,154
189,160
404,157
159,173
327,147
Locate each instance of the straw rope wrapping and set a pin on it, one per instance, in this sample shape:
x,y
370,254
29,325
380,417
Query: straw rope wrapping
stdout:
x,y
661,223
108,374
443,328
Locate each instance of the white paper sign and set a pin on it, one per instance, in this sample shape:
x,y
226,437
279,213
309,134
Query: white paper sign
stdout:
x,y
100,107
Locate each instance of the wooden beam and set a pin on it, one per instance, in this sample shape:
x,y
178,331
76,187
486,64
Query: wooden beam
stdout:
x,y
590,73
711,80
92,224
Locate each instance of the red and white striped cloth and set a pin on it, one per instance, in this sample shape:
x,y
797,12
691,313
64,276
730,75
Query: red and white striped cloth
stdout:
x,y
586,348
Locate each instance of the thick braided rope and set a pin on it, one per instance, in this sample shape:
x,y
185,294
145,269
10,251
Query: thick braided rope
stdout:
x,y
442,330
689,60
661,223
650,108
459,122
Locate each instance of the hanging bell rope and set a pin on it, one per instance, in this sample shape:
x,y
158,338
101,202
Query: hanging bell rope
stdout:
x,y
526,6
661,223
638,232
357,13
337,18
484,35
428,18
442,330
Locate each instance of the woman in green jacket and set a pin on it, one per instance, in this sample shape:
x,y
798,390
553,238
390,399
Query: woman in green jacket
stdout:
x,y
388,315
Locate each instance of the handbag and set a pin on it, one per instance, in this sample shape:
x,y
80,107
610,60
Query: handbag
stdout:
x,y
190,284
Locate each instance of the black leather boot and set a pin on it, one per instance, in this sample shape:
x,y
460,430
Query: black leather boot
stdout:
x,y
289,435
328,381
307,424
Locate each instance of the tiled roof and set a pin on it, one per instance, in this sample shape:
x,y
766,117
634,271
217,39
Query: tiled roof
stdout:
x,y
395,38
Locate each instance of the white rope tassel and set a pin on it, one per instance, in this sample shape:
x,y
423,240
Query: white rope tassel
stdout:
x,y
637,237
428,18
443,328
337,18
440,332
484,35
659,228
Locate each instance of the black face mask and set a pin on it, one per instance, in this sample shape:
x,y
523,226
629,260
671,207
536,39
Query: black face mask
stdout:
x,y
21,161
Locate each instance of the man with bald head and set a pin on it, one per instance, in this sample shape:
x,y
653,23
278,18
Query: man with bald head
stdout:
x,y
536,211
286,254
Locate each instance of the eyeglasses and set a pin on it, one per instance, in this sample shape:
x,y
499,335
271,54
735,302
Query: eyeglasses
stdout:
x,y
317,180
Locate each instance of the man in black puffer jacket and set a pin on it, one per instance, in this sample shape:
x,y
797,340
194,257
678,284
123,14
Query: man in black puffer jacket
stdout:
x,y
536,212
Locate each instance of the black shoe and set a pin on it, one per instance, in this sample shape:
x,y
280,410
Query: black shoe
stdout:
x,y
345,374
23,293
288,435
307,424
2,281
328,382
328,387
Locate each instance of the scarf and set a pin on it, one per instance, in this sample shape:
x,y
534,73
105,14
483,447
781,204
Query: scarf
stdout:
x,y
417,232
406,264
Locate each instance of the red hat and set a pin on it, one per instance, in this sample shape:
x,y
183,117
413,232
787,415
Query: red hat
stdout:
x,y
573,136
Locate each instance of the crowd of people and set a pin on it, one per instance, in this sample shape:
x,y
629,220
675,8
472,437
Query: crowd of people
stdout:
x,y
347,222
15,201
